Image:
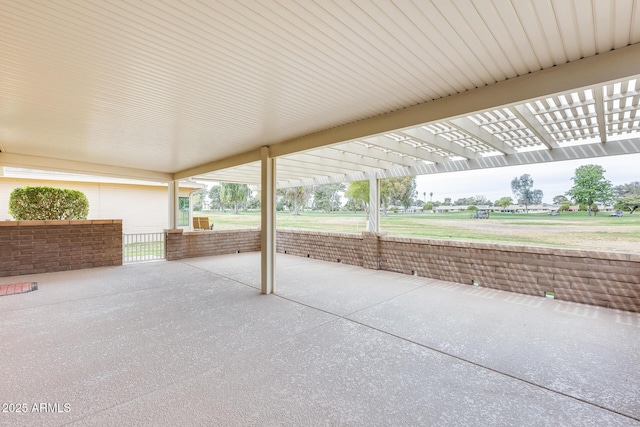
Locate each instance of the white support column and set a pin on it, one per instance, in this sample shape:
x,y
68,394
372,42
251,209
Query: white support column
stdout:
x,y
174,191
373,223
268,221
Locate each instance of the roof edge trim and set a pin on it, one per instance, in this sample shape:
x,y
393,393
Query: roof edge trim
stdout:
x,y
85,168
228,162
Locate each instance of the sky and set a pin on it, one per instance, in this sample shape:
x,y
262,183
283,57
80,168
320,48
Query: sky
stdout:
x,y
552,178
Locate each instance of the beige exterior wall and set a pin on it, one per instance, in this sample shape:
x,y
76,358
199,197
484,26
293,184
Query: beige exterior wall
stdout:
x,y
142,208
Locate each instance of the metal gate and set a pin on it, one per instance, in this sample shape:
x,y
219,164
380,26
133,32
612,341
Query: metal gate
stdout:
x,y
142,247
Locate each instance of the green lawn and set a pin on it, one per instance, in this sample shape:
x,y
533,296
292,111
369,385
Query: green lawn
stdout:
x,y
570,229
143,250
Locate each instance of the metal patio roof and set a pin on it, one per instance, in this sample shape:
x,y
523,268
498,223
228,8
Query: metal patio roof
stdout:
x,y
599,121
168,90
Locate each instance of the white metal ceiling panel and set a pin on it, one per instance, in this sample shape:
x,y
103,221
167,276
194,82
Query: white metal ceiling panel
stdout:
x,y
159,88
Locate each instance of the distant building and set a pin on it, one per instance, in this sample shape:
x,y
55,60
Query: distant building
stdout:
x,y
544,208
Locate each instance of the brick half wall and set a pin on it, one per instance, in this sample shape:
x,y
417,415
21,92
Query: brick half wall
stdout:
x,y
181,244
31,247
598,278
336,247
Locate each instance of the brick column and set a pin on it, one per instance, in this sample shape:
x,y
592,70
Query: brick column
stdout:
x,y
174,248
371,250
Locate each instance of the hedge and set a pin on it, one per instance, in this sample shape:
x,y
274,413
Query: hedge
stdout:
x,y
47,203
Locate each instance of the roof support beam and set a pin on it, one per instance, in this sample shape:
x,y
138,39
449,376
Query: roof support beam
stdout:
x,y
530,121
373,153
70,166
480,134
307,168
345,156
329,160
424,136
602,125
229,162
408,150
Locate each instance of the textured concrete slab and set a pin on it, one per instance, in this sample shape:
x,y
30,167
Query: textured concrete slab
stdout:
x,y
348,374
194,343
336,288
589,353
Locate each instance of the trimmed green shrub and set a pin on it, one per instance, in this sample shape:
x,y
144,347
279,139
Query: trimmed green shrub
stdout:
x,y
47,203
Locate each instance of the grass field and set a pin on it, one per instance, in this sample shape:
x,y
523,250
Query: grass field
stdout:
x,y
568,230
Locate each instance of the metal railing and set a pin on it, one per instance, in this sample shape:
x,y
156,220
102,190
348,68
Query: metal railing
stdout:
x,y
142,247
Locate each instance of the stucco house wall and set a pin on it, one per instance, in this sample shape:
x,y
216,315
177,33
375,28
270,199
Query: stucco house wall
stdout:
x,y
143,207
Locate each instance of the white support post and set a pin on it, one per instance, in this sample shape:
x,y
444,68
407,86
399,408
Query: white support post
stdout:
x,y
174,191
268,221
373,223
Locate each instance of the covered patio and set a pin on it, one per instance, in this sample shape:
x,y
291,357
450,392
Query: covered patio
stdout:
x,y
285,94
193,342
299,93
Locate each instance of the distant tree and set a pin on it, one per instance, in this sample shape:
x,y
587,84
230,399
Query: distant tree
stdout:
x,y
628,189
465,201
627,203
214,196
521,187
559,199
354,205
590,186
400,191
297,197
503,202
198,197
392,191
234,194
447,201
281,203
327,197
358,195
254,202
481,200
427,207
565,206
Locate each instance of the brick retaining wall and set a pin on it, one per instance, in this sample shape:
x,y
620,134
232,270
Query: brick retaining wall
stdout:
x,y
336,247
181,244
29,247
598,278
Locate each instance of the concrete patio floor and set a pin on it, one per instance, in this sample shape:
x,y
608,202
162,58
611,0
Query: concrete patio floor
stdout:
x,y
194,343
